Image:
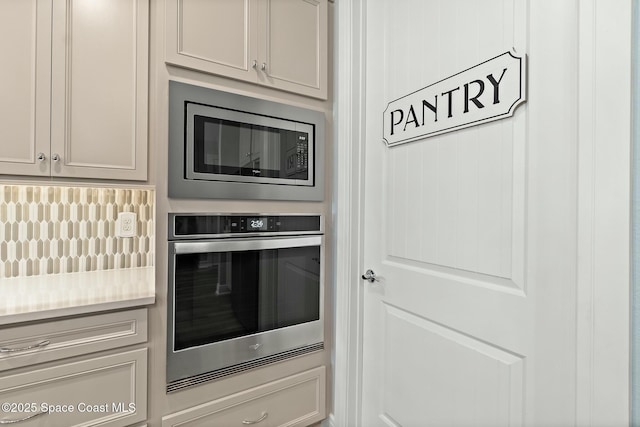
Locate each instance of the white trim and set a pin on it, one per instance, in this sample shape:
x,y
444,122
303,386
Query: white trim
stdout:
x,y
604,126
635,219
586,206
330,421
349,155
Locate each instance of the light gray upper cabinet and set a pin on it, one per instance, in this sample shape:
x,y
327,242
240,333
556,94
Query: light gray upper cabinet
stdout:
x,y
276,43
25,85
74,85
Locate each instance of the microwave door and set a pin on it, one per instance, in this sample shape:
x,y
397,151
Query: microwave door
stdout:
x,y
224,145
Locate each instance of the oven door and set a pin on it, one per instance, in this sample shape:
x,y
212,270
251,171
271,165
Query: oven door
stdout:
x,y
236,300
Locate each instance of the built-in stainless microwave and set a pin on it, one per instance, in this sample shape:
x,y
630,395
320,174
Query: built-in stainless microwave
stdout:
x,y
225,145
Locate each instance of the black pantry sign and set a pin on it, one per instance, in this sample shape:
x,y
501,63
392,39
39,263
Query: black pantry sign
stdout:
x,y
483,93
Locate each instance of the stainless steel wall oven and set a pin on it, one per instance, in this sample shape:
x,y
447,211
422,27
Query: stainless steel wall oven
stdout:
x,y
244,290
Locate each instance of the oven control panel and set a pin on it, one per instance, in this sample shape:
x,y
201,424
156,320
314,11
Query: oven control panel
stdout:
x,y
235,225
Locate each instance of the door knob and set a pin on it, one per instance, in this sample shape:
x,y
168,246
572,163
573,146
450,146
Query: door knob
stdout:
x,y
370,276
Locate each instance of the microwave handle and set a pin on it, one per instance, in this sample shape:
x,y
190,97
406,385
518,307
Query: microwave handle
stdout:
x,y
237,245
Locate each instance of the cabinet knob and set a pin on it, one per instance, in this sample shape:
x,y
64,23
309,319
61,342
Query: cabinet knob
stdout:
x,y
55,157
263,67
255,64
41,157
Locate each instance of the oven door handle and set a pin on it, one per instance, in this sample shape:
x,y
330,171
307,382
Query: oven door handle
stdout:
x,y
237,245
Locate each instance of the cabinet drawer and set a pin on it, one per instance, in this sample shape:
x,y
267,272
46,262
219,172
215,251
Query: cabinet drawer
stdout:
x,y
46,341
298,400
106,391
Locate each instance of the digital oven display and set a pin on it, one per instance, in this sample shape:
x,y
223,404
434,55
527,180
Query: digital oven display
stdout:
x,y
257,224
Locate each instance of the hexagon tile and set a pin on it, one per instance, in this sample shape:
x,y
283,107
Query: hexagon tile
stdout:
x,y
49,230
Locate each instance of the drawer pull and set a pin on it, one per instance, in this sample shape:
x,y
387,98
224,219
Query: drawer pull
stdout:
x,y
31,347
262,418
22,419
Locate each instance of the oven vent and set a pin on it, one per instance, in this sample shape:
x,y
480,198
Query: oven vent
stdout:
x,y
241,367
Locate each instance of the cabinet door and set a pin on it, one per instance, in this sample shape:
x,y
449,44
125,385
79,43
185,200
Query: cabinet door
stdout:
x,y
25,39
217,37
294,48
99,89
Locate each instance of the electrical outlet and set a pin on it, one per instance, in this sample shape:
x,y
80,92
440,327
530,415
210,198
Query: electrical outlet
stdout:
x,y
126,224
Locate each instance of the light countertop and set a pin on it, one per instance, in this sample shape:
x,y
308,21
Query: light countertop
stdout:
x,y
42,297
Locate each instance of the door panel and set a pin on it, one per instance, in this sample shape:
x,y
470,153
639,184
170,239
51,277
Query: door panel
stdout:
x,y
25,40
466,192
479,384
472,233
298,26
99,88
286,35
217,37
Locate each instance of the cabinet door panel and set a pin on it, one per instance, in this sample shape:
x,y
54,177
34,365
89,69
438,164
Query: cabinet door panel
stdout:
x,y
297,400
212,36
25,37
109,391
99,115
71,337
295,46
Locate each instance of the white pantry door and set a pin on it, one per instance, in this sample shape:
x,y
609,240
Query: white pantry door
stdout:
x,y
473,234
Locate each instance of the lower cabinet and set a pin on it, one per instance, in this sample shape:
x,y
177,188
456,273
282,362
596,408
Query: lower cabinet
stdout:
x,y
297,400
42,386
110,391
